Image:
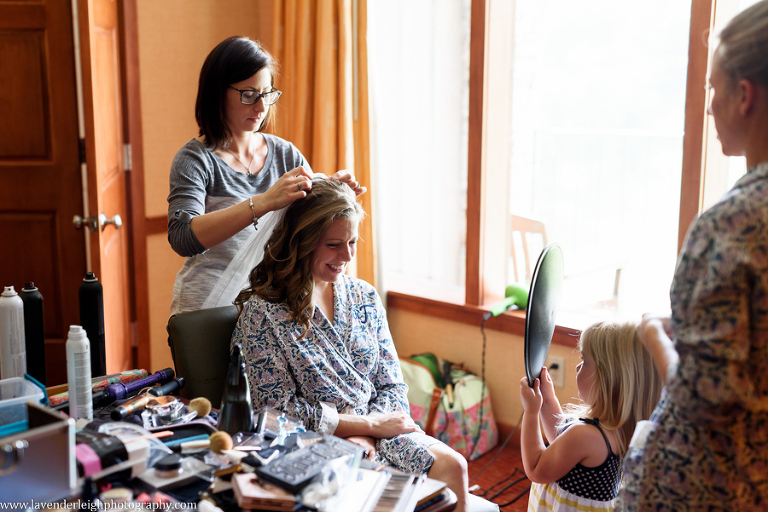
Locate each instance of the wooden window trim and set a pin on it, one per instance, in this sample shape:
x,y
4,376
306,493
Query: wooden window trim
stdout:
x,y
694,146
474,290
511,322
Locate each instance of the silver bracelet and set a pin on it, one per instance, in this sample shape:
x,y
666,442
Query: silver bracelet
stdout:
x,y
253,211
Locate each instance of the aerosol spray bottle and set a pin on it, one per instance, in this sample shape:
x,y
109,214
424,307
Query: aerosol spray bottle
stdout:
x,y
13,351
92,320
34,331
79,374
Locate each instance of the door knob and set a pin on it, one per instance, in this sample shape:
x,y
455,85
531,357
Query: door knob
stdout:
x,y
117,221
89,222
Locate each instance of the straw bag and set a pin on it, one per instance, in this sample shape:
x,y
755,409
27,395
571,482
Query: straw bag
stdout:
x,y
464,421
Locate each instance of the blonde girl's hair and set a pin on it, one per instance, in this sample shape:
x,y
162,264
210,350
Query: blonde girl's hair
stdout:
x,y
627,384
284,274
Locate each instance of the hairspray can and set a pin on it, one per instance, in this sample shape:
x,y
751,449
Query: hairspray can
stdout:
x,y
34,331
13,350
92,320
79,374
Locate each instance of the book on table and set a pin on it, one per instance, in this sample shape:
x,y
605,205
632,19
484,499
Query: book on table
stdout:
x,y
430,489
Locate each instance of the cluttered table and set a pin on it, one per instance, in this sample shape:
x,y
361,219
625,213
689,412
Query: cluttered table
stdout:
x,y
144,447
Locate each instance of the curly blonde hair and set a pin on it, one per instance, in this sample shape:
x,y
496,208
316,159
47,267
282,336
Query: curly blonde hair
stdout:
x,y
627,384
284,274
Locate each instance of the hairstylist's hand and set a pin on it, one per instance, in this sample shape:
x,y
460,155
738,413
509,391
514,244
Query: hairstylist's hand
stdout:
x,y
654,328
392,424
368,443
347,177
531,396
291,186
655,333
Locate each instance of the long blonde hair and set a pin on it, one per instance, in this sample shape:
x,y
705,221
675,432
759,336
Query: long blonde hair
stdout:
x,y
284,274
626,385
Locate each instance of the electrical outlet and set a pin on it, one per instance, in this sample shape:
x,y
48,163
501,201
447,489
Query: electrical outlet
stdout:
x,y
556,367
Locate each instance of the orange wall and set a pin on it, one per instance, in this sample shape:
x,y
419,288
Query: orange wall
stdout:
x,y
175,36
414,334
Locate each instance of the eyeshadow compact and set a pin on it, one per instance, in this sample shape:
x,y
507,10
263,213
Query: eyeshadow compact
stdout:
x,y
169,466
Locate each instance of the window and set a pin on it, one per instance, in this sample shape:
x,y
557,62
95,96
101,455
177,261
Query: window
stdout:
x,y
582,128
597,113
419,68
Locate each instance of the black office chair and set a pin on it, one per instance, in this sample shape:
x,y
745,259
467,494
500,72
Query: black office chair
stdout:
x,y
199,342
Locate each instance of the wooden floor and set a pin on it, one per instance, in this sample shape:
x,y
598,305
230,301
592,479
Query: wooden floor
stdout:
x,y
499,474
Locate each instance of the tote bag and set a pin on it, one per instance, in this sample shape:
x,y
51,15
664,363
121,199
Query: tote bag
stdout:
x,y
467,423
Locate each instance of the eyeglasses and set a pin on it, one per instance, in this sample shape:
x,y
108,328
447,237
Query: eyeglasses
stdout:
x,y
249,96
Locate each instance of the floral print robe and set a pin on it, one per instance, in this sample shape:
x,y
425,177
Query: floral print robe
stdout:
x,y
350,366
708,447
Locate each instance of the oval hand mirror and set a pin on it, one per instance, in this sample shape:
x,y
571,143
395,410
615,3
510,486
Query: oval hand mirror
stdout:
x,y
543,301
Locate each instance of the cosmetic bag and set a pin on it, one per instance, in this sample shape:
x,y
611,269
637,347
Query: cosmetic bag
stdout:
x,y
461,417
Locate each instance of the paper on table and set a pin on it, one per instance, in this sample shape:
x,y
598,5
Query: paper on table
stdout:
x,y
362,494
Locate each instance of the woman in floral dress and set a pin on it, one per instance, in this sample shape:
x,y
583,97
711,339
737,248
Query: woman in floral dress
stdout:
x,y
318,344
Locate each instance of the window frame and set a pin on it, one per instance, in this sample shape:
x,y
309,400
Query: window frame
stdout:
x,y
476,299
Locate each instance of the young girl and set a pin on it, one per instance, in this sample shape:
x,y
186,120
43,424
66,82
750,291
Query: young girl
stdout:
x,y
618,386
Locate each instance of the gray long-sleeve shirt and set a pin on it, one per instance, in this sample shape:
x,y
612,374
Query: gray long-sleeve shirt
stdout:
x,y
201,182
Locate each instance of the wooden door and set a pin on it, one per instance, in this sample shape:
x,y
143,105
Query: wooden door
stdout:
x,y
100,47
40,186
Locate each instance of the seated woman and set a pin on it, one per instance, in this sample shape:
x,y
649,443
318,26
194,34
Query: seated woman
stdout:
x,y
318,344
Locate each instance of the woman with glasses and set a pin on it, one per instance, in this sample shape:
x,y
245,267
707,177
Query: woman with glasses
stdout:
x,y
225,183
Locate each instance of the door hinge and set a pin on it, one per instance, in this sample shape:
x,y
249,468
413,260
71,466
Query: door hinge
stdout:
x,y
81,150
127,157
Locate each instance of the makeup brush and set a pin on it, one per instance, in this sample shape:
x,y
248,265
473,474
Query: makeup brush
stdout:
x,y
138,404
190,444
202,406
221,441
197,408
216,442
